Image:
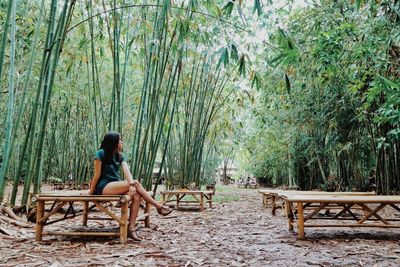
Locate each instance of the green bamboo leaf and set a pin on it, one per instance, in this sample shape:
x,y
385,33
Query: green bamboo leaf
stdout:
x,y
287,82
257,80
234,52
388,84
278,59
257,7
242,66
359,3
193,4
240,11
290,44
224,58
228,8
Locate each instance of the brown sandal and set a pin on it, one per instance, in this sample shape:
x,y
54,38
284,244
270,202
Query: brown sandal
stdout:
x,y
164,210
132,234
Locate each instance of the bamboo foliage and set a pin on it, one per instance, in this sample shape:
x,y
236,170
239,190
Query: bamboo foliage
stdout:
x,y
4,34
53,46
330,117
201,99
22,108
162,74
124,66
58,38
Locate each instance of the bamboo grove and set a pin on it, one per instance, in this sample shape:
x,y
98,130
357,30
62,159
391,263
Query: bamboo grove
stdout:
x,y
329,113
78,69
301,95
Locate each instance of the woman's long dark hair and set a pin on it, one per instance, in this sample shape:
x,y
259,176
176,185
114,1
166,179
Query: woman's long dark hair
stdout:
x,y
110,146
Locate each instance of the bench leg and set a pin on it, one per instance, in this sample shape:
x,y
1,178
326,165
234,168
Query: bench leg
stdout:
x,y
300,220
147,218
289,215
39,223
201,202
273,205
177,201
85,213
123,227
265,201
210,201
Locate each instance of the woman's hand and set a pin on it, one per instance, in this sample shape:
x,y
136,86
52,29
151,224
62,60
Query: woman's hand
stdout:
x,y
96,177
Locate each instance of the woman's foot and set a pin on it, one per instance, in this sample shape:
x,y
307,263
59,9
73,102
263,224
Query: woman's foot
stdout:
x,y
164,210
132,234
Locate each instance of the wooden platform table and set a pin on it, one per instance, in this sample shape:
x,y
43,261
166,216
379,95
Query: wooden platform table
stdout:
x,y
289,210
269,195
199,197
70,199
274,196
309,207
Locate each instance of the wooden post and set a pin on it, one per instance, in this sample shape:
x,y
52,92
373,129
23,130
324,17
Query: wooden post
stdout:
x,y
273,205
85,212
210,200
123,227
177,201
147,218
201,201
300,219
265,200
289,214
39,223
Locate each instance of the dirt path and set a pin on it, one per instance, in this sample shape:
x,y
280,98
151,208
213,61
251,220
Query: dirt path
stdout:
x,y
235,233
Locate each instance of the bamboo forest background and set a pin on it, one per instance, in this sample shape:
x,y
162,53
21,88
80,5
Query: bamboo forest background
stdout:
x,y
298,94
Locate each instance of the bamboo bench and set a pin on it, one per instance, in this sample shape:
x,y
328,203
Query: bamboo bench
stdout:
x,y
57,200
308,208
268,197
199,197
273,195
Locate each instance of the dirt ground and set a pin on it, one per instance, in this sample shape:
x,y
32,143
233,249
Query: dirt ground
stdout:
x,y
236,232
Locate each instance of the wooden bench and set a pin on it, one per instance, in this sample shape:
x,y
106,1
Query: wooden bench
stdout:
x,y
273,195
268,197
57,200
199,197
308,208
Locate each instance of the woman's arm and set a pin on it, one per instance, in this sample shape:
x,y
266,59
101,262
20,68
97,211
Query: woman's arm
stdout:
x,y
127,172
96,176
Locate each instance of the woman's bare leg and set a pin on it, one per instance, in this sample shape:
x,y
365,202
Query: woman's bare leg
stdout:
x,y
134,210
116,188
146,196
122,187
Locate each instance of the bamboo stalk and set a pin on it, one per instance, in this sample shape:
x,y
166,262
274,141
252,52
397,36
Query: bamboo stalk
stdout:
x,y
10,107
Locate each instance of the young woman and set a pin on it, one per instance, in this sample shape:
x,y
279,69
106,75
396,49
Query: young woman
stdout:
x,y
106,179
